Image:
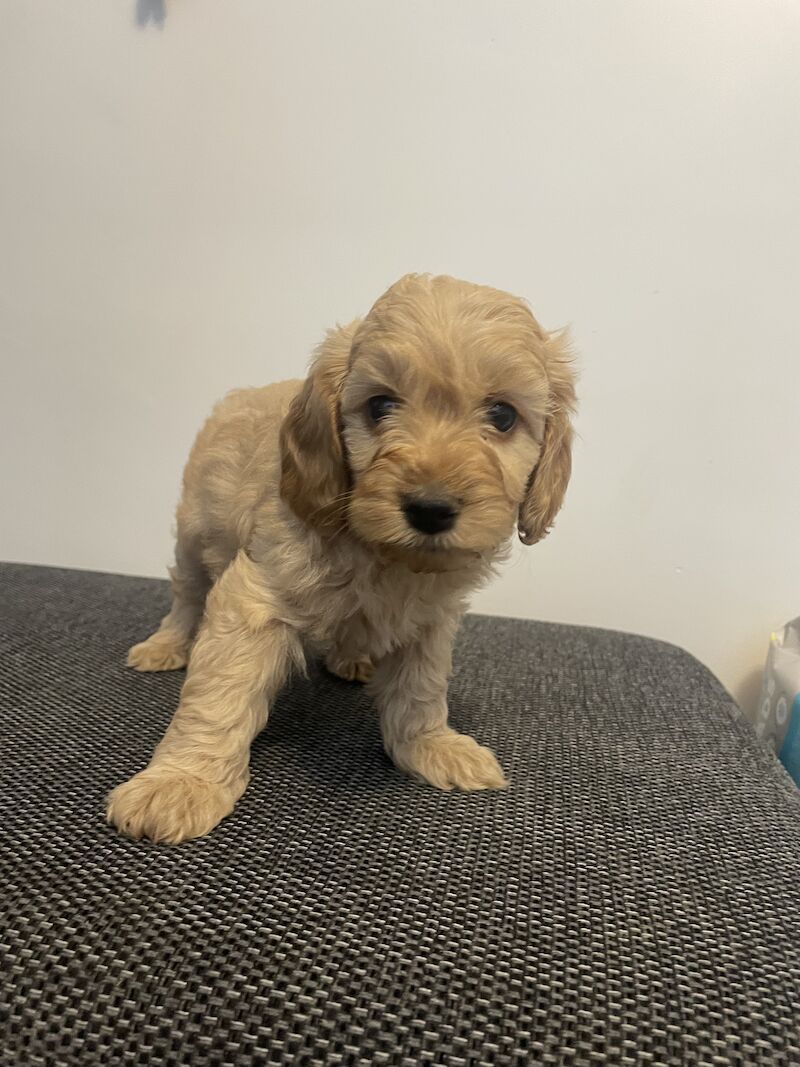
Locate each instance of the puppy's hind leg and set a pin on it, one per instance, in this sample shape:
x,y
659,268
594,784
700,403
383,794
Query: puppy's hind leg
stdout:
x,y
347,658
349,669
168,648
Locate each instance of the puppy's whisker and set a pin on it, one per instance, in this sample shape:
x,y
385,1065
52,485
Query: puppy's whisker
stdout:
x,y
335,507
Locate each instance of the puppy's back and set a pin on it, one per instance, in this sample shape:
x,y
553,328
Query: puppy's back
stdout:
x,y
233,467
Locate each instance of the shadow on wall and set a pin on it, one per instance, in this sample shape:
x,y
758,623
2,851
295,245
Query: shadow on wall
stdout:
x,y
150,13
748,691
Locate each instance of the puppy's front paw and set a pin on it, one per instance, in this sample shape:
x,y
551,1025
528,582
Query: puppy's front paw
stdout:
x,y
157,654
168,806
450,761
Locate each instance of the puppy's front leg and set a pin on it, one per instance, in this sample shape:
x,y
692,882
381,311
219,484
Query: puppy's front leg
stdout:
x,y
200,769
410,689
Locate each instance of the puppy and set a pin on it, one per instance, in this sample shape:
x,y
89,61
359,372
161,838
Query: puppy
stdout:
x,y
353,513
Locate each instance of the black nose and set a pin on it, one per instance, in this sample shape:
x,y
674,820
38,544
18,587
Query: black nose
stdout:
x,y
430,516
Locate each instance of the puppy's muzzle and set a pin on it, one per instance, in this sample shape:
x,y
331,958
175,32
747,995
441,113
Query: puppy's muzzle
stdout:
x,y
428,515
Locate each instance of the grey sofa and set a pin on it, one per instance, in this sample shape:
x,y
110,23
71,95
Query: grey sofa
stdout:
x,y
633,897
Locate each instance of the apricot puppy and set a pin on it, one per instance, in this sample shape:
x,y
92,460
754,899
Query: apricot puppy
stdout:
x,y
353,513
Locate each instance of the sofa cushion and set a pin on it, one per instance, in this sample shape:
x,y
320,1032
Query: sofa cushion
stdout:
x,y
634,896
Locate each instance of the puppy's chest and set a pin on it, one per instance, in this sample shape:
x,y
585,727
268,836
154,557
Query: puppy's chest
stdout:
x,y
377,612
393,612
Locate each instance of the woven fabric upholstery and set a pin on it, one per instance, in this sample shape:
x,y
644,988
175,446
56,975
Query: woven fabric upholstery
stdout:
x,y
633,897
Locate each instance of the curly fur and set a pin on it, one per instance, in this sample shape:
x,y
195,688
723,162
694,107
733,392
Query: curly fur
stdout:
x,y
291,535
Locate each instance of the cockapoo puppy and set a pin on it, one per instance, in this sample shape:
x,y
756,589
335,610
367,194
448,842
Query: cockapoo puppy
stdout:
x,y
353,513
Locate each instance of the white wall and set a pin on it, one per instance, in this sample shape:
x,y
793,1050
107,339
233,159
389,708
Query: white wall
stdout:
x,y
185,207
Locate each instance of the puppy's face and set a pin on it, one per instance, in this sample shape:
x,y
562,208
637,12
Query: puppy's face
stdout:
x,y
446,405
443,414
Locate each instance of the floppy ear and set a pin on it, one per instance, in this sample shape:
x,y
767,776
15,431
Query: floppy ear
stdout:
x,y
314,474
548,482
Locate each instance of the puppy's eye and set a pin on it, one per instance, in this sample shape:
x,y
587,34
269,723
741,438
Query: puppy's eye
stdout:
x,y
381,406
502,416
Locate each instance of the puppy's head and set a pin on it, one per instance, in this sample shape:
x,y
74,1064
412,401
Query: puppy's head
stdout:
x,y
434,426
